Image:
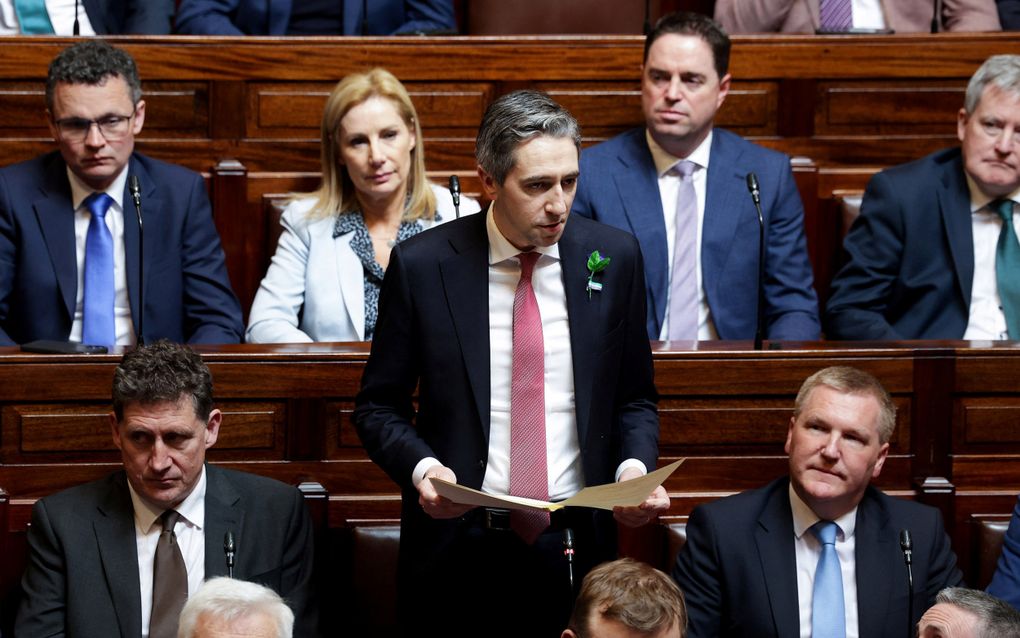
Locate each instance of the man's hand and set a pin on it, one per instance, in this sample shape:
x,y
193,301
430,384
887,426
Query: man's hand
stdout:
x,y
649,510
435,505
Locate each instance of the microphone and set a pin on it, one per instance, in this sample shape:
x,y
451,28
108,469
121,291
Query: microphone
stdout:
x,y
76,29
568,551
228,551
907,546
752,187
136,195
455,193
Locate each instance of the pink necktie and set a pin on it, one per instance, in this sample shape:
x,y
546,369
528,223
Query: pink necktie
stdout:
x,y
528,474
683,279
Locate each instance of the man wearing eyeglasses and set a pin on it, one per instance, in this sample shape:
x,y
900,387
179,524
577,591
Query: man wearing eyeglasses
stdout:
x,y
934,253
70,259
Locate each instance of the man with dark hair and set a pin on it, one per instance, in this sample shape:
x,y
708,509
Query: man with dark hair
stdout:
x,y
680,186
70,235
626,597
969,613
522,331
934,252
812,554
119,556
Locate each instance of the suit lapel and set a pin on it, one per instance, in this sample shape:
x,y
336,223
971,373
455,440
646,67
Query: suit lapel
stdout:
x,y
350,275
775,540
874,557
223,513
954,207
638,186
114,528
465,277
725,187
55,214
584,317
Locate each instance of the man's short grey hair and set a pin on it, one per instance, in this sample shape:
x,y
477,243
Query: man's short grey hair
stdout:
x,y
1001,70
997,618
847,380
228,599
514,119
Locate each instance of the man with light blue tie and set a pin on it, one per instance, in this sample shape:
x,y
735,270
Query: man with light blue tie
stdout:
x,y
817,554
72,249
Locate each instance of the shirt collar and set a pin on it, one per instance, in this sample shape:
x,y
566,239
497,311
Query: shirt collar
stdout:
x,y
191,509
979,200
500,248
80,190
664,161
804,517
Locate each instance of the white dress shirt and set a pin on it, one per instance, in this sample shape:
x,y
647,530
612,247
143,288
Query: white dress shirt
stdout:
x,y
61,14
669,188
986,321
563,454
808,551
115,222
868,14
190,537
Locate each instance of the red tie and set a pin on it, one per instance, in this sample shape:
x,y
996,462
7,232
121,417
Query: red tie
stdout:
x,y
528,474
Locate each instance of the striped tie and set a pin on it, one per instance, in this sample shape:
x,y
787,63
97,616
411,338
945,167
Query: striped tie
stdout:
x,y
836,15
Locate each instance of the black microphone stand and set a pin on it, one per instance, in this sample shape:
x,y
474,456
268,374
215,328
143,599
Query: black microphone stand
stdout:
x,y
455,194
136,195
228,551
759,333
908,550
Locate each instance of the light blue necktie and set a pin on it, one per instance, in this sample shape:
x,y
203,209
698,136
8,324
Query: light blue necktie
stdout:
x,y
1007,267
828,615
97,306
33,17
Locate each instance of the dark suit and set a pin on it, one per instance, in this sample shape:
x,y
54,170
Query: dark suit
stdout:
x,y
187,292
911,256
619,187
271,17
82,576
121,17
1006,580
738,568
433,335
1009,14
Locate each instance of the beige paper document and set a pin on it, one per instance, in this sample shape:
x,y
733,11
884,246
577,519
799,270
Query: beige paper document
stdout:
x,y
605,497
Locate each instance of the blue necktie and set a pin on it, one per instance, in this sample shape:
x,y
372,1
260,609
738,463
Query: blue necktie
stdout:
x,y
33,17
828,615
97,306
1007,267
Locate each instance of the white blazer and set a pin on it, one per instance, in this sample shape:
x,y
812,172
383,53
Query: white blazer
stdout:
x,y
320,273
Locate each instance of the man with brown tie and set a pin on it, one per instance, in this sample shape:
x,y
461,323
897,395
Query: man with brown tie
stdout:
x,y
523,333
119,556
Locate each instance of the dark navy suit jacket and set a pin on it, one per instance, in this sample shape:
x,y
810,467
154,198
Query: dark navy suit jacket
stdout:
x,y
142,17
433,335
911,256
618,186
271,17
187,293
82,574
738,568
1006,580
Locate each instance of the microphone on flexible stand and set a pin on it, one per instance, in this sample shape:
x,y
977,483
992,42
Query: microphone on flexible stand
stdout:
x,y
568,551
76,29
908,551
455,193
752,186
228,551
136,195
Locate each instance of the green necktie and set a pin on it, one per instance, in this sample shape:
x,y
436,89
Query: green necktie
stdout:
x,y
1007,267
33,17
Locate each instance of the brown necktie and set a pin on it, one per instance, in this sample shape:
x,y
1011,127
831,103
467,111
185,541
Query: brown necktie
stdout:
x,y
169,581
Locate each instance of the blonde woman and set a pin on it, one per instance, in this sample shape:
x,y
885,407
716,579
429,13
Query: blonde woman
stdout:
x,y
323,282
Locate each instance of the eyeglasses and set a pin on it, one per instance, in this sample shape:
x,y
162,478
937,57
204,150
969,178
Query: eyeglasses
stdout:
x,y
76,129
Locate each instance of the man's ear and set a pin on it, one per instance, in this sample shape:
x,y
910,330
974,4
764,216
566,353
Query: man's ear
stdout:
x,y
489,184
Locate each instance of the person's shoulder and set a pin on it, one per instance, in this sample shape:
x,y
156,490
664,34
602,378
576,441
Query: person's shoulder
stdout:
x,y
924,166
32,167
603,233
613,146
169,175
729,142
248,483
745,505
74,499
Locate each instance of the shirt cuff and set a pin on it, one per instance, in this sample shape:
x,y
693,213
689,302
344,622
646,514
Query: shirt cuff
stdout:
x,y
629,463
426,464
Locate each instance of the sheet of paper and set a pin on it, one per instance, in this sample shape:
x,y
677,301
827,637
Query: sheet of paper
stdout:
x,y
606,497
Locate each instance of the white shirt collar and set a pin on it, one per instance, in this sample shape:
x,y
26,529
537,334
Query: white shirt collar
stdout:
x,y
804,517
191,509
80,190
500,248
664,161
